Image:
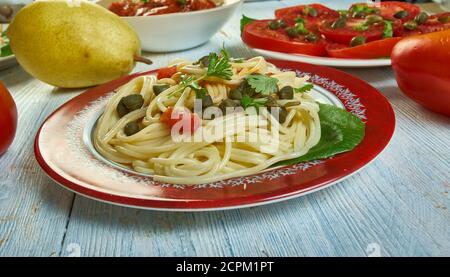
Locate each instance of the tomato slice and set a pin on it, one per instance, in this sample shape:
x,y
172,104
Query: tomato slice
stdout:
x,y
182,119
312,14
435,23
345,34
371,50
257,34
387,10
166,72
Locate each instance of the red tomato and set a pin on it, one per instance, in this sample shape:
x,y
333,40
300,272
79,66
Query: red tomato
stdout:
x,y
166,72
182,118
290,14
371,50
388,9
435,23
345,34
422,69
257,34
8,119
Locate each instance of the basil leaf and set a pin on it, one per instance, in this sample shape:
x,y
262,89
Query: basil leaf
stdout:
x,y
244,21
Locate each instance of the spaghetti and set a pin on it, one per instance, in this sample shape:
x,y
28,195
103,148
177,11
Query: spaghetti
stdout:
x,y
273,120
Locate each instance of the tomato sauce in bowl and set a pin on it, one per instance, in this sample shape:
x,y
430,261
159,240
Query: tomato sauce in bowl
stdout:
x,y
157,7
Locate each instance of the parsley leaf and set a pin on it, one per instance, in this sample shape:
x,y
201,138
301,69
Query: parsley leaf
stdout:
x,y
262,83
388,31
244,21
247,101
305,88
219,66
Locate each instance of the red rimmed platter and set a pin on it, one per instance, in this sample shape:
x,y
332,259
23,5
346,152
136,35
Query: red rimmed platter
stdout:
x,y
62,152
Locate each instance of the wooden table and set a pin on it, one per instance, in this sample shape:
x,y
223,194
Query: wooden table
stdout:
x,y
396,206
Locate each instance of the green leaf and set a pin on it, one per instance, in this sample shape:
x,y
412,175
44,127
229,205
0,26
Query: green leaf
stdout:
x,y
304,89
341,131
262,83
244,21
388,31
219,66
5,51
246,101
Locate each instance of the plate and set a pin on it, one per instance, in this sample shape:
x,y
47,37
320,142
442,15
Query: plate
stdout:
x,y
63,153
324,60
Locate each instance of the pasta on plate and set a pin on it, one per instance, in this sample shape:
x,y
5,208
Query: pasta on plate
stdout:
x,y
205,121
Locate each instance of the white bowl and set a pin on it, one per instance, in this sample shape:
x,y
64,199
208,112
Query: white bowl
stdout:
x,y
179,31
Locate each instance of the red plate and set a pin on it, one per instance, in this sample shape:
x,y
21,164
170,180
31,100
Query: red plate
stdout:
x,y
60,151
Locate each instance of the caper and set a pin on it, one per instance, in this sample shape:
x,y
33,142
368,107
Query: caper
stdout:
x,y
421,18
131,128
401,14
207,101
273,25
133,102
339,23
286,92
312,12
157,89
271,102
372,19
204,61
358,40
311,37
121,109
444,19
228,103
410,25
276,24
359,14
292,32
235,94
281,112
300,27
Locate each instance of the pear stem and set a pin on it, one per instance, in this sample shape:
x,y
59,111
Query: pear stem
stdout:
x,y
141,59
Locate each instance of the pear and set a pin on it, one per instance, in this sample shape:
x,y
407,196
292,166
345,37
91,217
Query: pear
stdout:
x,y
73,44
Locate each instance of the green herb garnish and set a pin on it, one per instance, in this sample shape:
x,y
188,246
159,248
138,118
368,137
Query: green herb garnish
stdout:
x,y
304,88
248,101
219,66
262,83
388,31
244,21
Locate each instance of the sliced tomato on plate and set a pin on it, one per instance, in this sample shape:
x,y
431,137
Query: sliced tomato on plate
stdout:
x,y
390,10
312,14
435,23
257,34
372,50
353,27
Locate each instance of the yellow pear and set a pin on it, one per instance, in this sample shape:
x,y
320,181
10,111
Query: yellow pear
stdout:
x,y
73,44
